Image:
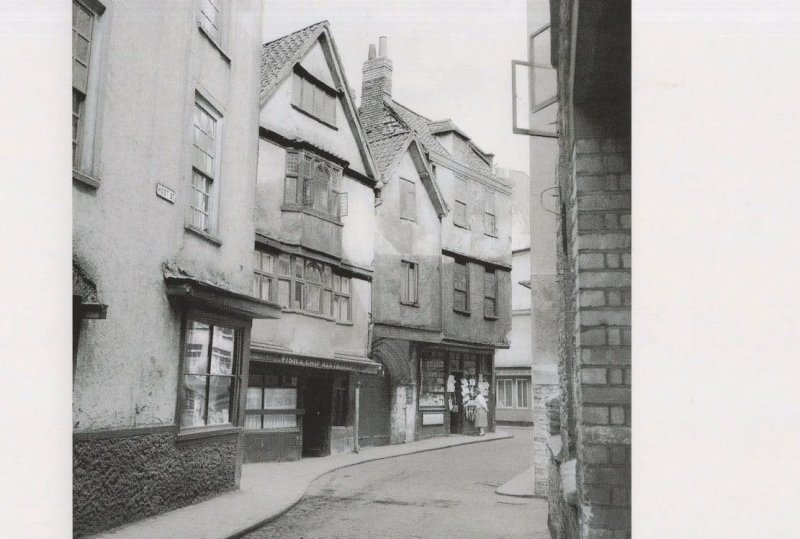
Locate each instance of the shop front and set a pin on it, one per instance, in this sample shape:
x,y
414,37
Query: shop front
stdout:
x,y
447,378
300,406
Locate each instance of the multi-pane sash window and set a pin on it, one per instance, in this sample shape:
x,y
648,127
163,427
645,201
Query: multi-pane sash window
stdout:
x,y
489,220
211,18
408,199
82,27
460,287
408,283
460,217
314,98
205,149
505,393
312,183
523,390
209,374
490,294
302,284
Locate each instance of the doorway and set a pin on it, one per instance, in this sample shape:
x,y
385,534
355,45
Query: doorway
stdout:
x,y
317,419
375,402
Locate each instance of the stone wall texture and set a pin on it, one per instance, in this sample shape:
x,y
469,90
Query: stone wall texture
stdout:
x,y
541,459
122,479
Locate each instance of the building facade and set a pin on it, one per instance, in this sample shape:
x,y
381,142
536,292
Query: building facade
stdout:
x,y
513,366
165,142
315,198
590,419
442,301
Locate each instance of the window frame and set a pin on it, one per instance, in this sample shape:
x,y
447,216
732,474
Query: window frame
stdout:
x,y
238,367
202,104
527,385
487,297
300,179
408,200
408,269
460,200
218,40
489,213
86,115
305,84
298,411
297,303
465,291
507,383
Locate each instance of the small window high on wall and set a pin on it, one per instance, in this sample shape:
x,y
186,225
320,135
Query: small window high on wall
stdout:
x,y
313,97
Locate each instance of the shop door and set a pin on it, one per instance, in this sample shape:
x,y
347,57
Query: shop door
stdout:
x,y
375,407
317,419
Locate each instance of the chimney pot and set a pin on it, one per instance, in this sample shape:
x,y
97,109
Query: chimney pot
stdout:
x,y
383,46
371,55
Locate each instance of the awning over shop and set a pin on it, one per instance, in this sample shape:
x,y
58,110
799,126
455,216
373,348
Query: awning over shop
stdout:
x,y
85,302
188,289
339,361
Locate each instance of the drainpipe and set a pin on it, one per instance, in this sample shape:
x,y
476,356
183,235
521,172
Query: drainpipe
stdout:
x,y
355,416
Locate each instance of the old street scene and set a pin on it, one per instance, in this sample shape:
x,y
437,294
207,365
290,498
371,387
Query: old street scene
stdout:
x,y
346,275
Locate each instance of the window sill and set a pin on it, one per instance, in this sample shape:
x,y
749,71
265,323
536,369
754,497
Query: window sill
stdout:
x,y
195,433
465,227
302,209
490,317
205,235
216,45
85,179
409,304
320,120
342,323
408,219
490,235
459,311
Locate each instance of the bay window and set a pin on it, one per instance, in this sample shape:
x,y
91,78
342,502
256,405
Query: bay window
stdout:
x,y
302,284
313,183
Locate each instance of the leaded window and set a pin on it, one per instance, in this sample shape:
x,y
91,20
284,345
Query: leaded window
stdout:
x,y
313,183
460,287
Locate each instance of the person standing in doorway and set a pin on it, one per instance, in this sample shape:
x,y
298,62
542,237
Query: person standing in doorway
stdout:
x,y
481,411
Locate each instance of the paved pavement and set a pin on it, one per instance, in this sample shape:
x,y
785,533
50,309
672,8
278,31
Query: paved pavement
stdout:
x,y
269,489
446,493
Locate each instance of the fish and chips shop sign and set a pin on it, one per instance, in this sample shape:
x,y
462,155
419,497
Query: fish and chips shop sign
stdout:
x,y
318,363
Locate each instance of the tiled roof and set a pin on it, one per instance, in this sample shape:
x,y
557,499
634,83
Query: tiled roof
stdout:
x,y
385,150
419,124
276,54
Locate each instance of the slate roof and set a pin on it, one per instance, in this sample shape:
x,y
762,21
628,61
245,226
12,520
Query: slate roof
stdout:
x,y
276,54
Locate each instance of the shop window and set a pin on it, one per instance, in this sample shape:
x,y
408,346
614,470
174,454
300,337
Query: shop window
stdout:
x,y
205,165
85,19
408,200
210,374
432,383
312,183
489,220
489,294
460,214
505,393
271,402
409,283
523,392
313,97
339,406
460,287
301,284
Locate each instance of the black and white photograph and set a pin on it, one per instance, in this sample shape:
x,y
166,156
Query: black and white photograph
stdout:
x,y
351,269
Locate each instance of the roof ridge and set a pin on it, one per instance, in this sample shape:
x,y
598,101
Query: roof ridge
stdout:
x,y
322,22
410,110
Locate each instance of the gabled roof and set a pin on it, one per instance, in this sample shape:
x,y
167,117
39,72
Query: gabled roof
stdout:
x,y
281,54
278,58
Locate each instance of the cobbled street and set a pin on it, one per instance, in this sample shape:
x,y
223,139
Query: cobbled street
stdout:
x,y
444,493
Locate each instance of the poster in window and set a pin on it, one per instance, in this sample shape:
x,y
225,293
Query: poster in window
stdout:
x,y
280,398
219,400
432,385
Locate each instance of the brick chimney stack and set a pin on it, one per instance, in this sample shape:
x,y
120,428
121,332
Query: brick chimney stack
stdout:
x,y
377,77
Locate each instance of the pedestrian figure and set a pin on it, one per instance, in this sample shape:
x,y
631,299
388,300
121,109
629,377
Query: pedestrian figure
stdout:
x,y
481,411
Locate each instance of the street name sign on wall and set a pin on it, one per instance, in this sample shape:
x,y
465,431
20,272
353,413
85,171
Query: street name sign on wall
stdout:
x,y
166,193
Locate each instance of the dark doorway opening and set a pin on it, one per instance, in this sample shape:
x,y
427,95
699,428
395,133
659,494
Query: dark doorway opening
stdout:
x,y
317,419
375,404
